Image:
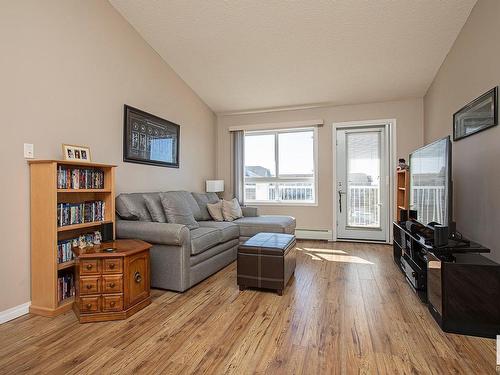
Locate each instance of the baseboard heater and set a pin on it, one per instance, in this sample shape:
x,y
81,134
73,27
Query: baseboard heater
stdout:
x,y
313,234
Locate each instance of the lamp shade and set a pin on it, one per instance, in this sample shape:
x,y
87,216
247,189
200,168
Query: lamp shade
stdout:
x,y
215,186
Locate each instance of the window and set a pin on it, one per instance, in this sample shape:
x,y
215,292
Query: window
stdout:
x,y
280,166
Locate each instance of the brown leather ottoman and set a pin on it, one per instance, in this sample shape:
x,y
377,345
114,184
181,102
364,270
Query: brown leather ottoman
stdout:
x,y
267,260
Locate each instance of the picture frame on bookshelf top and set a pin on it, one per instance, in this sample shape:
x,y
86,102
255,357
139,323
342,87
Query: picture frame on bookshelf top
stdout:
x,y
76,153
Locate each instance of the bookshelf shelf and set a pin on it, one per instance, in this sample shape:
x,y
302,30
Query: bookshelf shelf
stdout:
x,y
46,197
83,191
65,265
82,226
67,301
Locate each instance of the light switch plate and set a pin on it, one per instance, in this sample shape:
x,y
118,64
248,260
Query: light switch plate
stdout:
x,y
29,150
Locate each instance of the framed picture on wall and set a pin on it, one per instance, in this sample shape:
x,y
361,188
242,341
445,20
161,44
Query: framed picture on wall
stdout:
x,y
478,115
149,139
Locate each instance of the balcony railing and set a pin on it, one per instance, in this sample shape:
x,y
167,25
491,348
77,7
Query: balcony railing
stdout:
x,y
281,191
430,203
363,206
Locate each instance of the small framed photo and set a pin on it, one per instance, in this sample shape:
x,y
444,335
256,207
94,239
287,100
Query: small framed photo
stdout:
x,y
478,115
76,153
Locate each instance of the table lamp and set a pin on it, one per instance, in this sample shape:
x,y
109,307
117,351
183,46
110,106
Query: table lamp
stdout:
x,y
215,186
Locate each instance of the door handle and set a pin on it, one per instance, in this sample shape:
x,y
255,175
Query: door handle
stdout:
x,y
340,201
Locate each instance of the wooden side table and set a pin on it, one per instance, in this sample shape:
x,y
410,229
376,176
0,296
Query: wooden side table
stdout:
x,y
112,284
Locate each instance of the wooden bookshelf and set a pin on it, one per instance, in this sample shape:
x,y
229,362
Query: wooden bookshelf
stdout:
x,y
45,232
403,191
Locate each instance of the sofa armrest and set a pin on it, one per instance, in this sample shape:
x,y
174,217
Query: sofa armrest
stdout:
x,y
249,211
156,233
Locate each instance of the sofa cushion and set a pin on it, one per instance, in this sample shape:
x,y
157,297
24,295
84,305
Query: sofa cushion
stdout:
x,y
177,209
131,206
231,210
155,208
213,252
202,199
250,226
204,238
229,231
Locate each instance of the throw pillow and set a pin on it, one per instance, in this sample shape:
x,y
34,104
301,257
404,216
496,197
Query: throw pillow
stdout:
x,y
131,206
215,211
202,199
231,210
155,208
177,210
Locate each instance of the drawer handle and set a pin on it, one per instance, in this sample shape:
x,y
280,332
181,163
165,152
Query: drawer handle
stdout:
x,y
112,304
111,285
112,265
137,277
89,266
89,305
89,286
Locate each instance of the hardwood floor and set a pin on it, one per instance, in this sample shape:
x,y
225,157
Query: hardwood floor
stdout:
x,y
348,310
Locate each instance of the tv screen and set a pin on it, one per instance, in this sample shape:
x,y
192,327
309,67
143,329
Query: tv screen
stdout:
x,y
430,182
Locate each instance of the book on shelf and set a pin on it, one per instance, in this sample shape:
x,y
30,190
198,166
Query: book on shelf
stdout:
x,y
64,252
66,286
79,178
79,213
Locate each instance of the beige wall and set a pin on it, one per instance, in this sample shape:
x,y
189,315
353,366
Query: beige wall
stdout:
x,y
409,117
66,69
471,68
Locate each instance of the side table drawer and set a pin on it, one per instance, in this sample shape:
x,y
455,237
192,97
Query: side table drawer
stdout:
x,y
112,302
112,265
89,266
89,304
89,285
112,284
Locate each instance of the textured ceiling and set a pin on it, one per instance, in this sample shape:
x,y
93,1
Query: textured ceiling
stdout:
x,y
245,55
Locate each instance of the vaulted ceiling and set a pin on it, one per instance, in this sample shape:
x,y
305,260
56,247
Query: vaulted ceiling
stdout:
x,y
244,55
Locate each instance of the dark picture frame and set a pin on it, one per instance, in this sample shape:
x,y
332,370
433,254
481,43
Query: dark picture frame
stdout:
x,y
149,139
478,115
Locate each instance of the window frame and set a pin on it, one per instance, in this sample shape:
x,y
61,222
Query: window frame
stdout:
x,y
286,177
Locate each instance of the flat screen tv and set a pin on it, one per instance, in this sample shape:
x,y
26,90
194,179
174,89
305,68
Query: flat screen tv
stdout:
x,y
431,184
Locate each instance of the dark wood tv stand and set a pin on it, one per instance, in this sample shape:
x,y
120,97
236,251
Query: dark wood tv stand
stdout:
x,y
460,286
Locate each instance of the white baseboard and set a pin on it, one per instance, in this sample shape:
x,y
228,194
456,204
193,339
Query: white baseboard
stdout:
x,y
14,312
313,234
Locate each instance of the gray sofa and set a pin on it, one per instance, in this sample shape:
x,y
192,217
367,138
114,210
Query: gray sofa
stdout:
x,y
180,257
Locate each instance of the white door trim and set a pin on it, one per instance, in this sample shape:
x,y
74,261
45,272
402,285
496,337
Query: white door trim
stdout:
x,y
390,126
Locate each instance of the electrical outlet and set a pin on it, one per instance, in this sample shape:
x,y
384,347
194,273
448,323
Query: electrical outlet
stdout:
x,y
29,150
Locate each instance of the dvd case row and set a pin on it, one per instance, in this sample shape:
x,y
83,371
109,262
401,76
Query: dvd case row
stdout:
x,y
79,213
79,178
64,252
65,286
